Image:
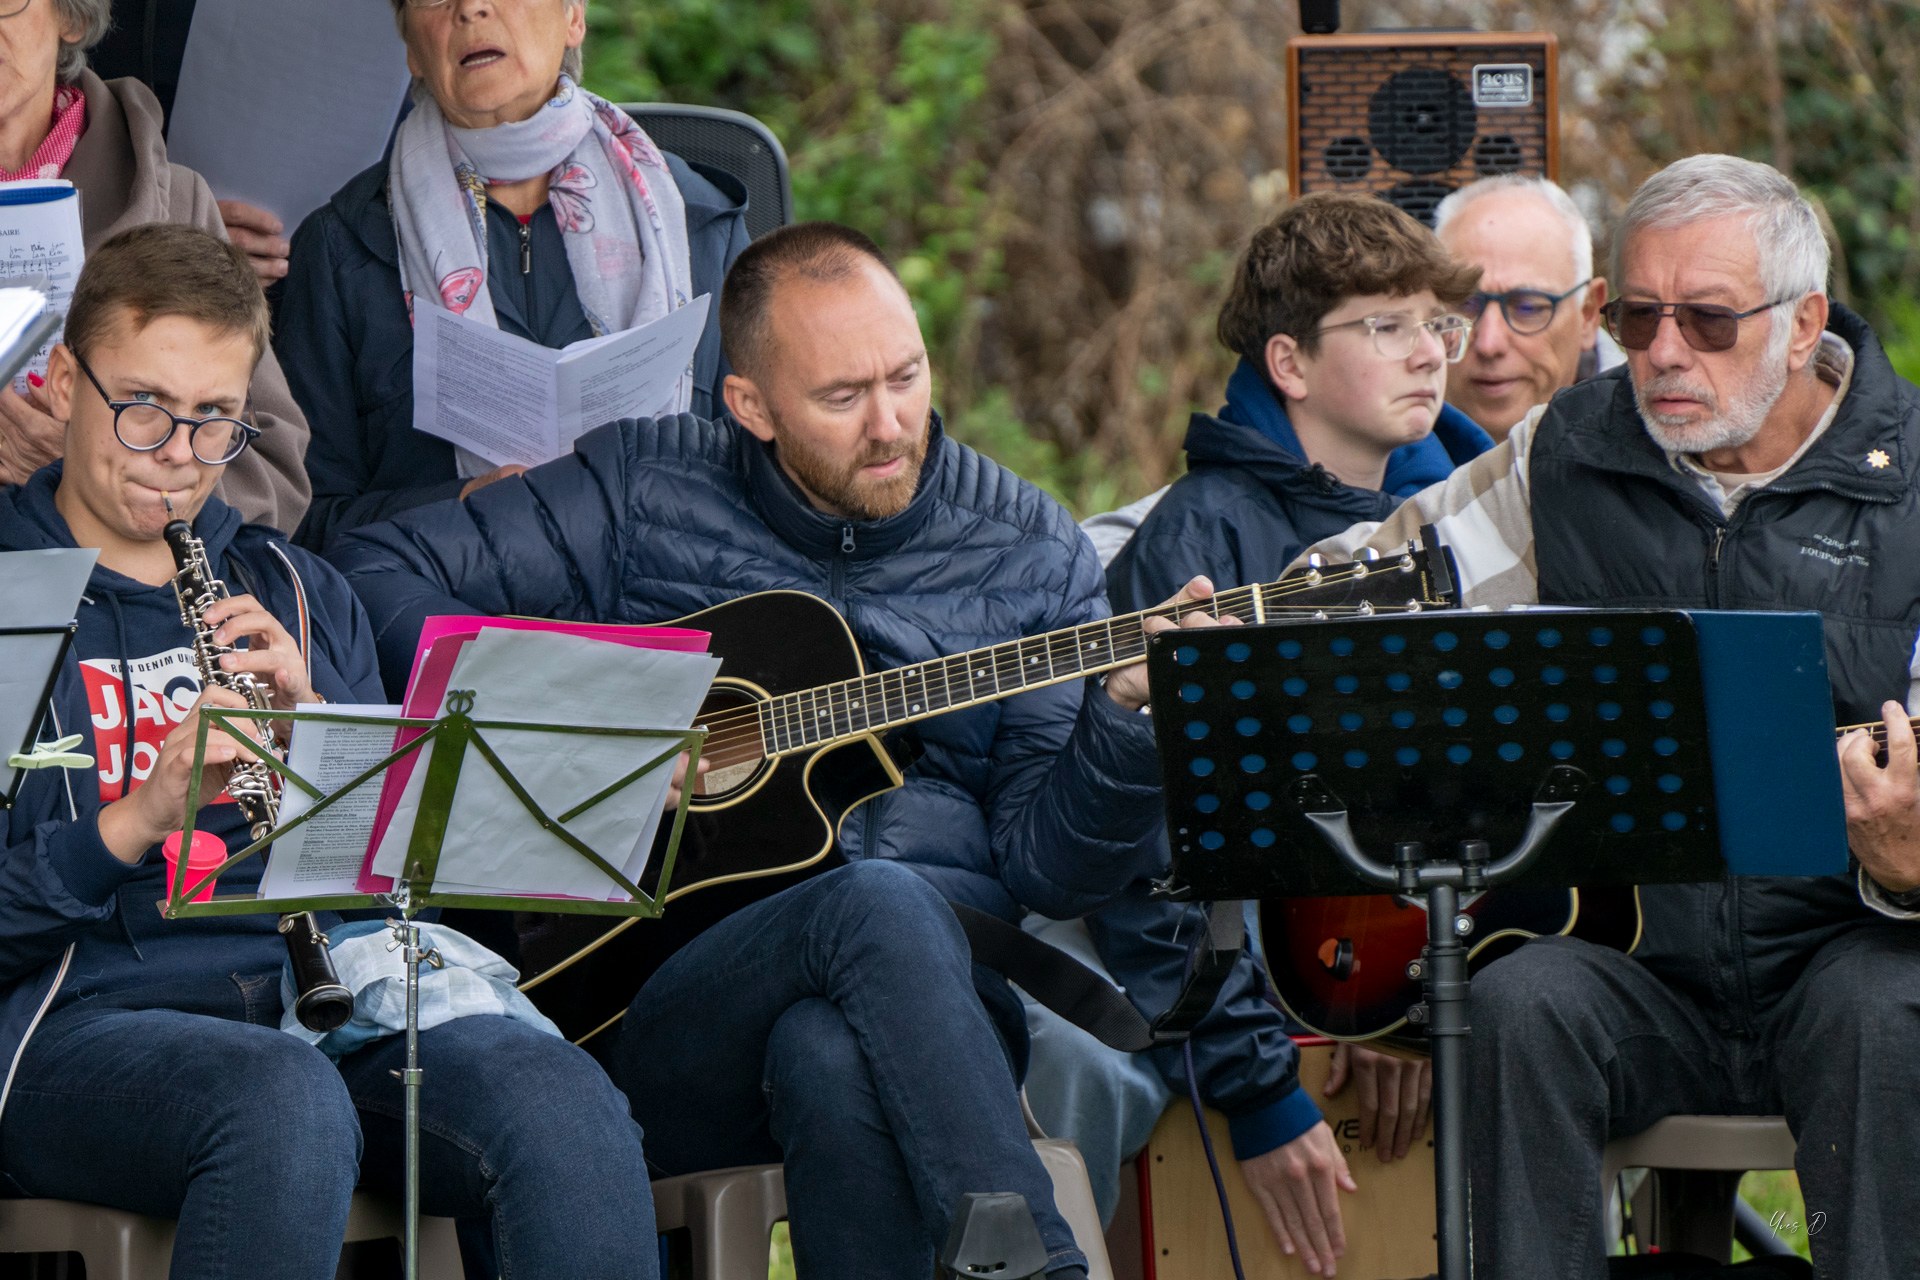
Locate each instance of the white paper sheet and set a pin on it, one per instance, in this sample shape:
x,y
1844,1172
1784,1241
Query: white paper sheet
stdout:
x,y
511,400
282,101
493,845
324,856
40,245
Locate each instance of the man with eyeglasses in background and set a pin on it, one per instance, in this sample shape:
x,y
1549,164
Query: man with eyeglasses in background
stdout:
x,y
1759,452
1343,311
1537,312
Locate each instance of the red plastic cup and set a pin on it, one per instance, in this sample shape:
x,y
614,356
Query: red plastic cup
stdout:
x,y
208,852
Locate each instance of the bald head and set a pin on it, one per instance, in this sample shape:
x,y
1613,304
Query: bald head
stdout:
x,y
1523,235
817,252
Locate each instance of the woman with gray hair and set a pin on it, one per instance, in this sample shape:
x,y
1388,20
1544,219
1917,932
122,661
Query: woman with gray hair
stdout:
x,y
512,196
59,120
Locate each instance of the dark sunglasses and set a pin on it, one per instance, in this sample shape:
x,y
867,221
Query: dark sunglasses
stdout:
x,y
1527,311
1706,327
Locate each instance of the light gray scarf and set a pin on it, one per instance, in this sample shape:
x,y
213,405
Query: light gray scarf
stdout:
x,y
620,214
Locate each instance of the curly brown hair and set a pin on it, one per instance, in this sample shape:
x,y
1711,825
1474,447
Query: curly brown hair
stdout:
x,y
1321,250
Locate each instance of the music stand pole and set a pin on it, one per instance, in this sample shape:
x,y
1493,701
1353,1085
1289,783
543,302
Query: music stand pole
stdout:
x,y
406,937
1443,975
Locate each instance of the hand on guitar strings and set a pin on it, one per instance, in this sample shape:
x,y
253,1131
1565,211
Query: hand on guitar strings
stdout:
x,y
1297,1185
1883,802
1128,685
1395,1096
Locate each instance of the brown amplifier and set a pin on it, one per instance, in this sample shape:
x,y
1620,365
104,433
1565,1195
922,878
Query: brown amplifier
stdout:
x,y
1412,116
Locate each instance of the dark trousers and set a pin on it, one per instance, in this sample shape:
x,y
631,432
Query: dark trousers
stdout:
x,y
254,1140
835,1027
1575,1044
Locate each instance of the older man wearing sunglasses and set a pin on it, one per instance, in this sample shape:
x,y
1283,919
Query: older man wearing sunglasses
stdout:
x,y
1758,453
1536,313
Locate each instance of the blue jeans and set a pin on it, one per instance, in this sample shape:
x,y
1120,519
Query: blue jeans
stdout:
x,y
835,1027
188,1102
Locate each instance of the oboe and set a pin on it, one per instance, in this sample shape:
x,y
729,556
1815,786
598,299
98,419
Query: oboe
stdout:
x,y
320,1002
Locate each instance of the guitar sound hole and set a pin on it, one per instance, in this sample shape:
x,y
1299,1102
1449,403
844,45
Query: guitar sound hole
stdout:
x,y
732,755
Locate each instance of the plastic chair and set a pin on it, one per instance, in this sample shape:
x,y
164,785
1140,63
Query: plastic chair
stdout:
x,y
730,1213
1697,1163
117,1245
732,142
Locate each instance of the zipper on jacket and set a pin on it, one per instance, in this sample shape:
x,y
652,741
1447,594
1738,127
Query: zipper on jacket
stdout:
x,y
1713,565
837,572
526,248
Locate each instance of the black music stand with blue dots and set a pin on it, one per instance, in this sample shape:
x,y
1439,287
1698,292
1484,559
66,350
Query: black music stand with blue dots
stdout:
x,y
1592,747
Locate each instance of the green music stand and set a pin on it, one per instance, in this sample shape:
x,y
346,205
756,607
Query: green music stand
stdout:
x,y
452,734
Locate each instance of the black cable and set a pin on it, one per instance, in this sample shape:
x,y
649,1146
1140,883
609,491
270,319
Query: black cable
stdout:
x,y
1213,1164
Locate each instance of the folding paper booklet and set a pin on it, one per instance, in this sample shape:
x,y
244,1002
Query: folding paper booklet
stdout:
x,y
39,246
514,401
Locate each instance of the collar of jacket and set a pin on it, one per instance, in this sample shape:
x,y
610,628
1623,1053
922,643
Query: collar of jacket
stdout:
x,y
1603,428
1455,438
1217,443
363,205
120,162
803,526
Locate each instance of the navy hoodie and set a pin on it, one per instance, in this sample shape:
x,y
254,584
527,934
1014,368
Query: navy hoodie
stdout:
x,y
75,921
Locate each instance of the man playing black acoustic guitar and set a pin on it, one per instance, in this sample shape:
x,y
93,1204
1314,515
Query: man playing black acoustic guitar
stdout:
x,y
838,1025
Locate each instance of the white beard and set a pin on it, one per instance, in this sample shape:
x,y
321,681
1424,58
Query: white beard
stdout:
x,y
1726,427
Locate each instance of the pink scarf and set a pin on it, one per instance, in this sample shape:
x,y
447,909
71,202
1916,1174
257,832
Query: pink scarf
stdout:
x,y
51,156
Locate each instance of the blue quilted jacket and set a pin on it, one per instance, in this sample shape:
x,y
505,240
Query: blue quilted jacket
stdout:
x,y
1047,800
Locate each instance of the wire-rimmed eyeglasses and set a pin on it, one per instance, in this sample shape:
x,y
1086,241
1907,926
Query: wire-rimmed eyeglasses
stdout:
x,y
1396,332
144,426
1527,311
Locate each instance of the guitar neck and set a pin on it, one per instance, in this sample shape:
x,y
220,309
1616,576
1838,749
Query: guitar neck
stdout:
x,y
1878,732
832,713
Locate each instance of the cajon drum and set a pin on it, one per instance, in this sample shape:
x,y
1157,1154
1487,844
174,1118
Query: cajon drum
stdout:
x,y
1389,1220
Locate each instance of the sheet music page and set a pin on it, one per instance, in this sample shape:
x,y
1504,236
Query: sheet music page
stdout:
x,y
511,400
324,856
282,101
40,245
488,391
42,589
493,844
629,374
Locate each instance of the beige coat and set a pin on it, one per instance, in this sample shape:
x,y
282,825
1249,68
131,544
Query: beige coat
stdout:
x,y
121,169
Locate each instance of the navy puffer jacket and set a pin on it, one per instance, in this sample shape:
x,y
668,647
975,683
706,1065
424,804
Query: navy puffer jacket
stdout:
x,y
1048,799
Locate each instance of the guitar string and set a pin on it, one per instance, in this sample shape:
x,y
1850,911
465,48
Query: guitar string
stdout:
x,y
741,728
735,736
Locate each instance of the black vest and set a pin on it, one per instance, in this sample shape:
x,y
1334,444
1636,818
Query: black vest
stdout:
x,y
1615,525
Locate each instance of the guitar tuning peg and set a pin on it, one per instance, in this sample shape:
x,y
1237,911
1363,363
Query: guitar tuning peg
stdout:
x,y
1316,561
1369,554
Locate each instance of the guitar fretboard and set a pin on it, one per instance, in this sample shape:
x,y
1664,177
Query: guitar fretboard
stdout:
x,y
812,717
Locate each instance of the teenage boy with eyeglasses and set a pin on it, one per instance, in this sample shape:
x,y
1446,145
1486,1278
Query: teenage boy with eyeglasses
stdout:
x,y
1344,313
1758,452
146,1065
1536,313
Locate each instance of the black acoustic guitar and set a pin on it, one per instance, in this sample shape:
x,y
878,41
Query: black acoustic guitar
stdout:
x,y
790,756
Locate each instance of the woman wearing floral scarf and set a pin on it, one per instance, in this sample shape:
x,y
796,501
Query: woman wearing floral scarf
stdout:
x,y
512,196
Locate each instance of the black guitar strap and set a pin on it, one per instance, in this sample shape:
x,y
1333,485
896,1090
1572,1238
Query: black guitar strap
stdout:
x,y
1089,1001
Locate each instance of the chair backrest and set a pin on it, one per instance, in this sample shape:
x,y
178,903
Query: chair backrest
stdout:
x,y
731,141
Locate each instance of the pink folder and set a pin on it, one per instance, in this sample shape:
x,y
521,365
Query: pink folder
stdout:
x,y
441,639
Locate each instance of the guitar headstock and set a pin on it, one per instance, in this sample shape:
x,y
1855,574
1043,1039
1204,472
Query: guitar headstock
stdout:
x,y
1419,577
